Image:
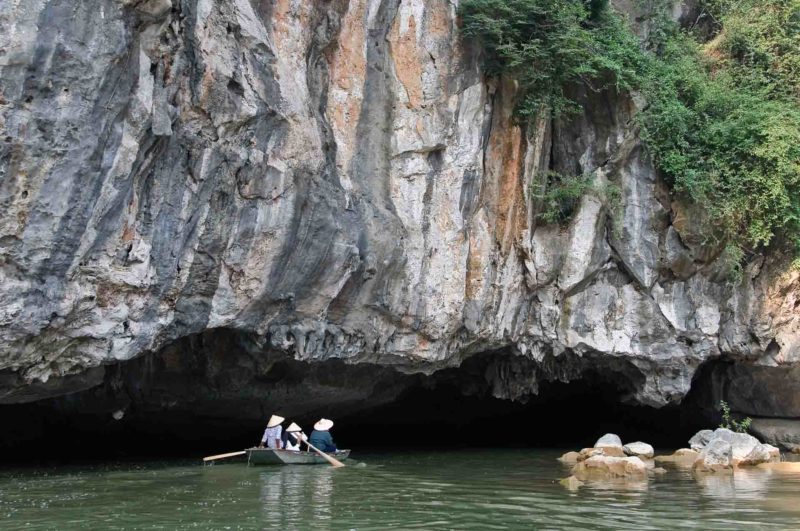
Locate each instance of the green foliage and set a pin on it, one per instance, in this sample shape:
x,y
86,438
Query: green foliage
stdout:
x,y
559,195
725,136
723,118
550,45
730,423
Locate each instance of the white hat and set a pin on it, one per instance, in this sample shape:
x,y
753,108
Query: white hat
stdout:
x,y
293,428
323,425
274,420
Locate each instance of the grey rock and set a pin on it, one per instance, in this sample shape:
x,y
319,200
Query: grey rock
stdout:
x,y
639,449
700,439
741,443
761,453
784,433
609,439
717,454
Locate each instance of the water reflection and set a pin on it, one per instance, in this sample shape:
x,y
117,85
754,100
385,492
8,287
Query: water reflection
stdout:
x,y
292,494
745,484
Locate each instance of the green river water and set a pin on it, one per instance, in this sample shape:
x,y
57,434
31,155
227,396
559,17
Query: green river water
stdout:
x,y
480,489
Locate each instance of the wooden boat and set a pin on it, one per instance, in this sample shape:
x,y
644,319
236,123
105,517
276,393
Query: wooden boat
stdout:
x,y
269,456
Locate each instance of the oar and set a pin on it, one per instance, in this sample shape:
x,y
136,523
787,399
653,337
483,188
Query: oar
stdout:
x,y
223,456
332,460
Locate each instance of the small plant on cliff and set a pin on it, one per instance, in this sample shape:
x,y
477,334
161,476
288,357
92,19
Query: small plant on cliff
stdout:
x,y
728,422
559,195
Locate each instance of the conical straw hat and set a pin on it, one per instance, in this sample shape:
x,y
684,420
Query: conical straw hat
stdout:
x,y
323,425
274,420
293,428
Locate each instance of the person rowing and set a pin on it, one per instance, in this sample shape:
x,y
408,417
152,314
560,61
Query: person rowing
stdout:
x,y
292,436
321,437
272,435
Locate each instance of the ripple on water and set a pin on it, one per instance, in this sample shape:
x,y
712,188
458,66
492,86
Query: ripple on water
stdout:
x,y
455,490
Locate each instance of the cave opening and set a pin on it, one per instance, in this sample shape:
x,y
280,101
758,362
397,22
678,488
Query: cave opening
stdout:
x,y
208,394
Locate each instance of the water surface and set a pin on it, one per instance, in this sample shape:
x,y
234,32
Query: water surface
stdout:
x,y
486,489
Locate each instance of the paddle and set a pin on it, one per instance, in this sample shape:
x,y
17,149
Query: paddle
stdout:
x,y
223,456
333,461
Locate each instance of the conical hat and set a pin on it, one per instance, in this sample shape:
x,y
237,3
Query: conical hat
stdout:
x,y
293,428
323,425
274,420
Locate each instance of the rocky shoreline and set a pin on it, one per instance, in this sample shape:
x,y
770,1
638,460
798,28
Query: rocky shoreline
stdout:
x,y
719,451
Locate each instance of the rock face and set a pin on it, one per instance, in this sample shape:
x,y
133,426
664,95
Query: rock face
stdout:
x,y
336,180
779,432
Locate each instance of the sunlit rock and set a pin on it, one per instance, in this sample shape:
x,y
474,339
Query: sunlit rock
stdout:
x,y
716,456
700,439
682,456
606,466
639,449
761,453
608,440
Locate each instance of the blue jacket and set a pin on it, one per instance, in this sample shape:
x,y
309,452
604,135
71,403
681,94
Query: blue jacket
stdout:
x,y
322,440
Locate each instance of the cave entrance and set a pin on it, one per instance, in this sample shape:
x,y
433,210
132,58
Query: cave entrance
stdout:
x,y
210,394
451,409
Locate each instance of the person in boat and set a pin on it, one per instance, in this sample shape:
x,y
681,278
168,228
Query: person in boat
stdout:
x,y
292,436
272,435
321,436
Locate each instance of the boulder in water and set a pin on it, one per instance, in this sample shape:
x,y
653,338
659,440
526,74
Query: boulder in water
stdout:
x,y
682,456
639,449
700,439
741,443
572,483
717,456
606,466
762,453
608,451
570,458
608,440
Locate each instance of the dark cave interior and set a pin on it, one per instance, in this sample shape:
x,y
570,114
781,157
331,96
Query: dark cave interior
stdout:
x,y
209,394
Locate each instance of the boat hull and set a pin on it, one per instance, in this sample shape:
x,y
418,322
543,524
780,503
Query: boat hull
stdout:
x,y
269,456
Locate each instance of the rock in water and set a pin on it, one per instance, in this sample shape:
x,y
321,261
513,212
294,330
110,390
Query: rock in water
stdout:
x,y
572,483
741,443
682,456
700,439
608,440
717,456
639,449
569,458
761,453
605,466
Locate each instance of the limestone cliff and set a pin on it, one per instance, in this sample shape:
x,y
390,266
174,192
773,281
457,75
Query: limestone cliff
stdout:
x,y
336,179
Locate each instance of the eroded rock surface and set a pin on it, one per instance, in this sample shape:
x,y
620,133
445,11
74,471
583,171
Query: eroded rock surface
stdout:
x,y
336,180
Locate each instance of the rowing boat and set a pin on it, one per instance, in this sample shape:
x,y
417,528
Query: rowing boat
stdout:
x,y
270,456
